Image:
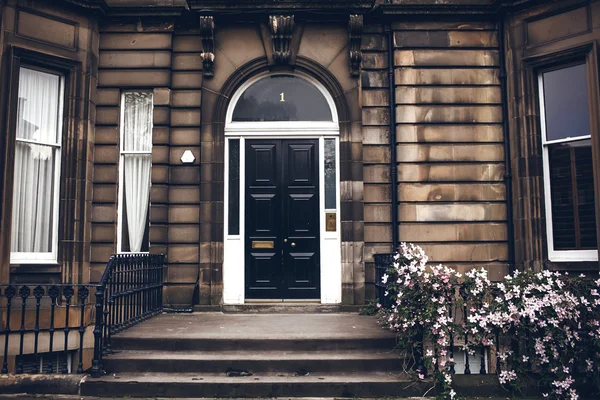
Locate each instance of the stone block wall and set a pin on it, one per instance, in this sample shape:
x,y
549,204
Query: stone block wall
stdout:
x,y
155,58
449,141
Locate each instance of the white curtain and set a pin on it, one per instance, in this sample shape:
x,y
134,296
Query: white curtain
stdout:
x,y
137,137
35,182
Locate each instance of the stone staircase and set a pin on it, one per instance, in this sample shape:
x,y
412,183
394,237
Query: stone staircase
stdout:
x,y
255,355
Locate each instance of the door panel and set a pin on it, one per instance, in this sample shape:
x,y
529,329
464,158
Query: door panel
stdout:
x,y
282,218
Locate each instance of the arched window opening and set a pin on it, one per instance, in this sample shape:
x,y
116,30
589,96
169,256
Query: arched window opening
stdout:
x,y
280,98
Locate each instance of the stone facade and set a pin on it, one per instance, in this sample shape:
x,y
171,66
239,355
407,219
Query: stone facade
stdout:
x,y
449,125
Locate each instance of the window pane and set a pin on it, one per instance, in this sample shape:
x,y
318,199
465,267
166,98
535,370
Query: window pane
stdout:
x,y
136,199
573,212
282,98
137,122
330,182
38,108
33,198
566,103
137,137
234,187
35,175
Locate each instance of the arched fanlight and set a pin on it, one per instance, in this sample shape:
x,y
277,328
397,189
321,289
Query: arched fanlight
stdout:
x,y
280,98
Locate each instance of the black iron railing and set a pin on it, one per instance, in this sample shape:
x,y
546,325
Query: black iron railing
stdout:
x,y
48,327
383,262
129,292
57,310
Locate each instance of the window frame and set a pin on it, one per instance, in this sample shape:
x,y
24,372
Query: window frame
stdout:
x,y
121,185
52,256
582,55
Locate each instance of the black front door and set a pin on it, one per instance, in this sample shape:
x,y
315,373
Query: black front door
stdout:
x,y
282,219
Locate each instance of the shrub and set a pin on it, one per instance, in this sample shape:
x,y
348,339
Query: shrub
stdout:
x,y
546,325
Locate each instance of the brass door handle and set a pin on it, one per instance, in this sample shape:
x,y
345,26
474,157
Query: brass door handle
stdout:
x,y
293,244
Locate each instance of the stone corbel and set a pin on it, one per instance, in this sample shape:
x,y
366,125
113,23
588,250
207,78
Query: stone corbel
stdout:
x,y
355,26
282,28
207,33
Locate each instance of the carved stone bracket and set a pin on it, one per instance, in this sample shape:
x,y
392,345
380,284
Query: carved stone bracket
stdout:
x,y
207,33
282,28
355,26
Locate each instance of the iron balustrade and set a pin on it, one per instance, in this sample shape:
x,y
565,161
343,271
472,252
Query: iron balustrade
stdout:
x,y
383,262
45,301
129,292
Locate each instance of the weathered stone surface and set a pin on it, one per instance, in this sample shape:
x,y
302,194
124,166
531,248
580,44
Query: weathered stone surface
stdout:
x,y
444,25
447,76
104,213
134,78
450,172
187,98
449,133
452,212
135,59
184,214
187,62
108,97
135,41
376,154
441,39
449,113
466,252
376,193
375,98
450,152
107,115
376,116
314,36
378,233
410,192
446,58
184,253
448,94
184,195
187,80
187,117
473,232
187,43
379,213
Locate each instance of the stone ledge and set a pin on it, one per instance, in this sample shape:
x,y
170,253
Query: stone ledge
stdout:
x,y
41,384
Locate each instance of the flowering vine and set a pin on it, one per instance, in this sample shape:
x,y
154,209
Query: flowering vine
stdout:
x,y
544,326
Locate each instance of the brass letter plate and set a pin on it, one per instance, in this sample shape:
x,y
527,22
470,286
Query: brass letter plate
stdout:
x,y
330,222
263,245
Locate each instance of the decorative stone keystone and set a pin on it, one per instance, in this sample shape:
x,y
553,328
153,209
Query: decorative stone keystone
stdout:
x,y
282,28
188,157
355,26
207,33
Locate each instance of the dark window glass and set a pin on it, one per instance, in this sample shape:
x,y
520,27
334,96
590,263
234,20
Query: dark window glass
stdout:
x,y
572,194
234,187
282,98
330,183
566,103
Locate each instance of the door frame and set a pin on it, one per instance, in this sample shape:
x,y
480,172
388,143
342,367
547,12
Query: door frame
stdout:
x,y
330,242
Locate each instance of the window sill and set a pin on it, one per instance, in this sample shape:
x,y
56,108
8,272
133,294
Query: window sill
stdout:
x,y
572,266
36,268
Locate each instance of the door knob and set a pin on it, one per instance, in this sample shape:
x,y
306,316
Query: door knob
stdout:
x,y
293,244
284,240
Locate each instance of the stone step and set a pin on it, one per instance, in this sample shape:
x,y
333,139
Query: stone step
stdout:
x,y
120,343
262,361
367,384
